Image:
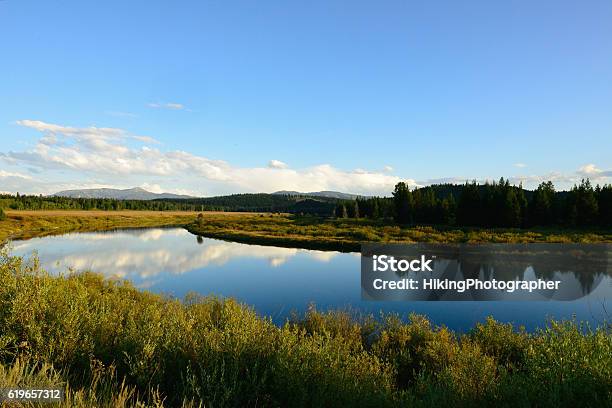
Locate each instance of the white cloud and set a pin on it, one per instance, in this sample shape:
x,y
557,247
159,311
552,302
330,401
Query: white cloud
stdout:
x,y
277,164
92,136
560,179
103,153
387,169
12,182
7,174
520,165
589,171
153,188
593,172
146,139
68,157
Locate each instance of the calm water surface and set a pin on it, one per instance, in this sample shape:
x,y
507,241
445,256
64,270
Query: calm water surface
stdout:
x,y
275,281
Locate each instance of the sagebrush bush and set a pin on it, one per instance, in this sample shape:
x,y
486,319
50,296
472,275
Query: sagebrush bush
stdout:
x,y
109,344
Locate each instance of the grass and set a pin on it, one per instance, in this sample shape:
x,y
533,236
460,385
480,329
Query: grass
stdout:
x,y
110,345
276,229
29,224
348,234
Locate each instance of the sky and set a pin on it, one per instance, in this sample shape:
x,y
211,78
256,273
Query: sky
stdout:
x,y
216,97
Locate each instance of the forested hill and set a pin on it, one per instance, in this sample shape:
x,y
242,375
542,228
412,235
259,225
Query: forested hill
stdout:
x,y
496,204
237,202
442,191
490,205
263,203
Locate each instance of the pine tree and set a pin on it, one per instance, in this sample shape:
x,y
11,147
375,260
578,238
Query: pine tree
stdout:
x,y
448,213
340,210
511,209
375,209
469,206
586,204
541,208
604,203
581,207
404,204
523,205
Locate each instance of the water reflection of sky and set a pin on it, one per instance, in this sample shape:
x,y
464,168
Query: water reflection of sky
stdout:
x,y
273,280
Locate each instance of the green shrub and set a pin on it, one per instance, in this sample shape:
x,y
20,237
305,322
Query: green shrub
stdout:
x,y
109,344
501,341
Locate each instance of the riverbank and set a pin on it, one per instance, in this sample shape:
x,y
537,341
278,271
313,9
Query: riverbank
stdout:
x,y
30,224
348,234
109,344
274,229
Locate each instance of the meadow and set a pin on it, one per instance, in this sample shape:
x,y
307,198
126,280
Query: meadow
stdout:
x,y
29,224
347,234
278,229
108,344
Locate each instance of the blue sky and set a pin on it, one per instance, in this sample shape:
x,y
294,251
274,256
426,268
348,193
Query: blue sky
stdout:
x,y
268,95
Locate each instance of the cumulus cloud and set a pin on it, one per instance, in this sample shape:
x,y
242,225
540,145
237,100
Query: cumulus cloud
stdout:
x,y
560,179
520,165
589,171
11,182
277,164
67,157
593,172
92,136
105,154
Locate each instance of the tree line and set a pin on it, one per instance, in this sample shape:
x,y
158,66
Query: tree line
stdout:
x,y
236,202
39,202
496,204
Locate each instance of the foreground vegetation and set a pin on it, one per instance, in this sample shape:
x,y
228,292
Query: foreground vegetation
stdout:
x,y
348,234
108,344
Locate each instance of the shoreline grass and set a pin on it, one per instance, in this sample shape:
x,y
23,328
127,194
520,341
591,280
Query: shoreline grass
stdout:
x,y
347,234
30,224
285,230
108,344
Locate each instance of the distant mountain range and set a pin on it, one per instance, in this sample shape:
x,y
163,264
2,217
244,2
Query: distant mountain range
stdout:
x,y
136,193
327,194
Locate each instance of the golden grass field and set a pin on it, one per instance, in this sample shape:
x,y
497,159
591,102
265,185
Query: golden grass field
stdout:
x,y
29,224
275,229
348,234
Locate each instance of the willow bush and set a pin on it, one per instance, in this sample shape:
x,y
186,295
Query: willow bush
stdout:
x,y
108,344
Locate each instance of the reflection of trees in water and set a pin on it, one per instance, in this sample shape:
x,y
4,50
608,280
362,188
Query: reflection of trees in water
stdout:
x,y
586,262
